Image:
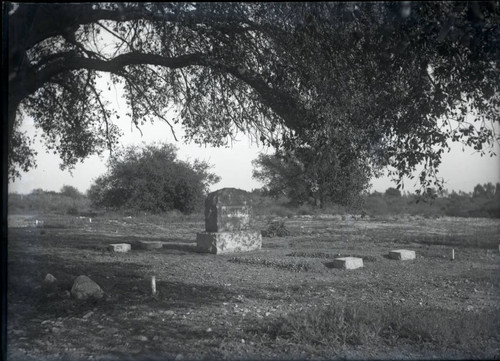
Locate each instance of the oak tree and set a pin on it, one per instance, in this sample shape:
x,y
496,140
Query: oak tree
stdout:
x,y
395,82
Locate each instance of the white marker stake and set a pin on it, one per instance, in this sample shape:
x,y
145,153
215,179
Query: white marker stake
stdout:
x,y
90,220
153,285
452,254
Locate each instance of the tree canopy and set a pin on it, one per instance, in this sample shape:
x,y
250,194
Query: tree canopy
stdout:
x,y
392,82
152,179
306,177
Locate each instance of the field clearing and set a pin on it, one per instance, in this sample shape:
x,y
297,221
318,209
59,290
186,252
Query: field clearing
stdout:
x,y
266,304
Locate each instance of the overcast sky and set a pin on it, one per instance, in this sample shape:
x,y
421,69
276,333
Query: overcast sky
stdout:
x,y
462,170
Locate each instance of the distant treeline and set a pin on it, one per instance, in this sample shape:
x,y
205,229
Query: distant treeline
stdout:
x,y
484,201
68,201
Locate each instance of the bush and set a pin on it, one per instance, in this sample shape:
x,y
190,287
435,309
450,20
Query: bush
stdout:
x,y
152,179
276,229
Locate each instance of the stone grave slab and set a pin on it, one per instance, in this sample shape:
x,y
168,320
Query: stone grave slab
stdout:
x,y
119,247
228,242
150,244
402,254
348,262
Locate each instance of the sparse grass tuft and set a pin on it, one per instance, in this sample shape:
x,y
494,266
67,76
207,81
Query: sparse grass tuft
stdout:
x,y
362,324
297,266
275,229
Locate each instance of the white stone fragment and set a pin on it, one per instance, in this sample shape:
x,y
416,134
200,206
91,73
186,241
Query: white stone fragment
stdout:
x,y
119,247
348,262
402,254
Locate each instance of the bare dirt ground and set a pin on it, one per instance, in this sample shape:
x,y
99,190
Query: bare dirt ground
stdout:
x,y
224,306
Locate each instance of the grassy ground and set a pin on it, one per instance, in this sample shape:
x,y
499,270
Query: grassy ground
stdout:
x,y
284,301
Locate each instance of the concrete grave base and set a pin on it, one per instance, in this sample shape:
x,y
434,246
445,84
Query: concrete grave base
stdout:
x,y
119,247
228,242
348,262
149,244
402,254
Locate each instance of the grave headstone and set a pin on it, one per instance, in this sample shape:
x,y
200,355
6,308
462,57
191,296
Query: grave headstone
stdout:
x,y
119,247
227,223
348,262
402,254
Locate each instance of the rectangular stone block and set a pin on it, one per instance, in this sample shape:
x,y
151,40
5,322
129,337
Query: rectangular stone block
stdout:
x,y
149,244
402,254
228,242
348,262
228,219
119,247
227,210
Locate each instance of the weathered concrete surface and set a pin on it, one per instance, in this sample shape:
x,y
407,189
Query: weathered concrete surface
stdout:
x,y
402,254
84,288
119,247
227,210
228,242
348,262
150,244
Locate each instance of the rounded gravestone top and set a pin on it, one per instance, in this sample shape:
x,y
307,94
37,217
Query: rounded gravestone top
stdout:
x,y
228,197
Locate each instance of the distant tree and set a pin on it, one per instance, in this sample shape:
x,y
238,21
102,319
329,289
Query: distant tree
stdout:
x,y
479,191
70,191
392,192
152,179
310,175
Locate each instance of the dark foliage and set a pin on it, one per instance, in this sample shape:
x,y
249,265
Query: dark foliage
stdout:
x,y
376,83
152,179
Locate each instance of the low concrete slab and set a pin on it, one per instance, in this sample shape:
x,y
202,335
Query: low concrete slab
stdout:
x,y
348,262
119,247
402,254
228,242
150,244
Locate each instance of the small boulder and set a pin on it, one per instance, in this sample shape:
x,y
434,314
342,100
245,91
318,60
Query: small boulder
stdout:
x,y
84,288
49,279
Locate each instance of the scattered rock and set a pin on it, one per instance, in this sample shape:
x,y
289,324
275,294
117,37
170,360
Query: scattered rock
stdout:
x,y
88,314
49,278
209,329
141,338
179,357
84,288
169,313
65,294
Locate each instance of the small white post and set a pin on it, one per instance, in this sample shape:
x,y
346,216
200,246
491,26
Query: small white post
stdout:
x,y
90,220
153,285
452,254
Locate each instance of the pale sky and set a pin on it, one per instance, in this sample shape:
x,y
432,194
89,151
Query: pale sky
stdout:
x,y
461,170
